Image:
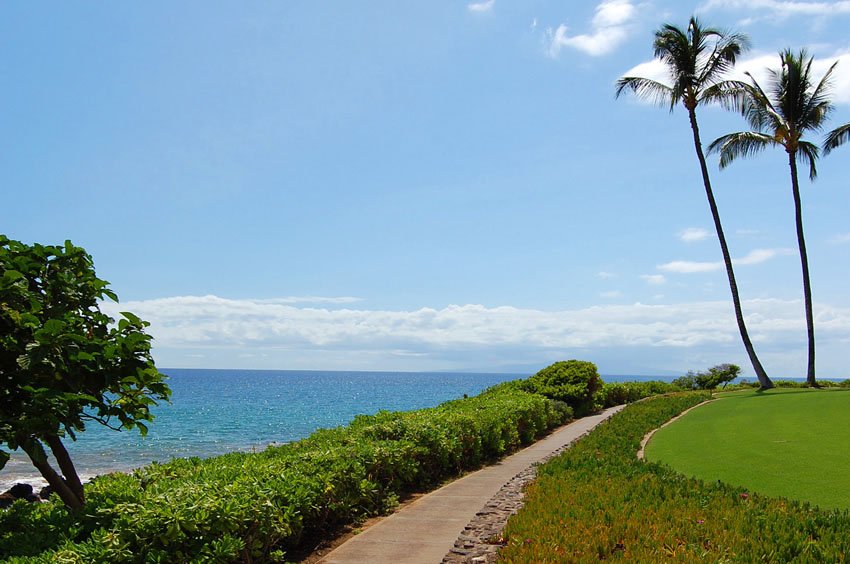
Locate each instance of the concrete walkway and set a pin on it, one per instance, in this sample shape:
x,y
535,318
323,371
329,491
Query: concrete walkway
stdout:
x,y
425,531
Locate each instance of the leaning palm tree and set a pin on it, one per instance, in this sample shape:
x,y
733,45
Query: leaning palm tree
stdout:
x,y
792,106
836,137
697,60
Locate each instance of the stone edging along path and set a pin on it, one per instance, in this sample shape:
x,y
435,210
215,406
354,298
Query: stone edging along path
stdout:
x,y
481,539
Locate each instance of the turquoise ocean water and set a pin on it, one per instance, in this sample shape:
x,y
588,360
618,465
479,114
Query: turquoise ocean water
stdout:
x,y
217,411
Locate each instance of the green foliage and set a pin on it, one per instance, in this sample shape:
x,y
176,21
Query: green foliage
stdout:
x,y
709,379
63,362
256,506
619,393
598,501
574,382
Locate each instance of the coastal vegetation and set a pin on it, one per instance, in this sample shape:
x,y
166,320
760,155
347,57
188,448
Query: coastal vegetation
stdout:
x,y
259,506
598,501
785,442
63,362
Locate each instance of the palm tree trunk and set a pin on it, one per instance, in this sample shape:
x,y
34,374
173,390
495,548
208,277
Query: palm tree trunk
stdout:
x,y
764,380
804,261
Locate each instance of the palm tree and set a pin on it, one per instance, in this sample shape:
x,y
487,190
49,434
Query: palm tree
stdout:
x,y
696,60
781,116
836,137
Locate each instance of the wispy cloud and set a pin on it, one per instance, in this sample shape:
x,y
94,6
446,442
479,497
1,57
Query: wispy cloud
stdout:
x,y
285,335
611,25
756,256
780,8
654,279
605,275
480,7
612,294
840,239
693,234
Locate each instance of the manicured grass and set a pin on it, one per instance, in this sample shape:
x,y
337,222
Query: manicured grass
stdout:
x,y
785,443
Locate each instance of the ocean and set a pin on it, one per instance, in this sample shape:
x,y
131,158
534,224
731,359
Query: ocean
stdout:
x,y
217,411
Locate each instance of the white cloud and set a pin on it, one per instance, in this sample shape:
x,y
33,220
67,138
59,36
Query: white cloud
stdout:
x,y
654,279
283,336
756,256
611,26
605,275
689,267
479,7
611,294
693,234
781,8
840,239
759,256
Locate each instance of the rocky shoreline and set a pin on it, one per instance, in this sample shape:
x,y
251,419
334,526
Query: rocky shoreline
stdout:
x,y
23,491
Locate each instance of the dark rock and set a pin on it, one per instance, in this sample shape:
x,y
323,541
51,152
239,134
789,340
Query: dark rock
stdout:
x,y
21,491
6,499
45,492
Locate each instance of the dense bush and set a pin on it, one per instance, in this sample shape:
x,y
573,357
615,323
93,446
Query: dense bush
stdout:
x,y
256,506
618,393
574,382
599,502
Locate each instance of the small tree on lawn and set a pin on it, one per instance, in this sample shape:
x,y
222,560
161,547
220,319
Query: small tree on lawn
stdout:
x,y
63,362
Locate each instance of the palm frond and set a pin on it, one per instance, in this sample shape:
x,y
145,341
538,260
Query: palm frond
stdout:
x,y
741,144
647,89
836,138
728,94
819,106
758,108
808,152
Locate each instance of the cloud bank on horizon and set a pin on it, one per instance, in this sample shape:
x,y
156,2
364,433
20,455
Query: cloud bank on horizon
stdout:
x,y
286,335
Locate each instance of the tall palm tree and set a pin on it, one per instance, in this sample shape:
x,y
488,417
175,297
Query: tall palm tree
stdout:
x,y
792,106
836,137
696,60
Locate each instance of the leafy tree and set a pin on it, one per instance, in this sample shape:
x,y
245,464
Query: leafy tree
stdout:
x,y
63,362
697,60
710,379
792,106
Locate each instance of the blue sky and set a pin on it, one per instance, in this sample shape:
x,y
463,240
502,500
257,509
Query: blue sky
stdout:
x,y
416,186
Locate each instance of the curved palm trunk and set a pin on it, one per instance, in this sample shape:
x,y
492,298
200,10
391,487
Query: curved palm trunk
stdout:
x,y
764,380
804,261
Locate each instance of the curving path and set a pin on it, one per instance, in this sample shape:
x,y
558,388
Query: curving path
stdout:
x,y
426,530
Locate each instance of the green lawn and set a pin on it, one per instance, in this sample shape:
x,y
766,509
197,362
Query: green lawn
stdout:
x,y
793,443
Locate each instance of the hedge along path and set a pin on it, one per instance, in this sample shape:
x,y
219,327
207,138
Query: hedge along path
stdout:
x,y
426,530
641,453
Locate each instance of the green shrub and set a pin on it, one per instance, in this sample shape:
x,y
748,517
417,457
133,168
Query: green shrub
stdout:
x,y
256,506
619,393
574,382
